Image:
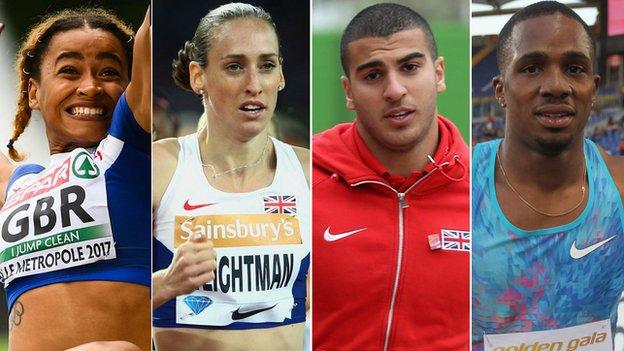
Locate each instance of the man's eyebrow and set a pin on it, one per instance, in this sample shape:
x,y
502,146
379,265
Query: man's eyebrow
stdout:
x,y
369,64
409,57
534,55
576,55
377,63
570,55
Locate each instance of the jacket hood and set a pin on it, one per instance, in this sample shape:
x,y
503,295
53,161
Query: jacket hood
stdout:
x,y
335,151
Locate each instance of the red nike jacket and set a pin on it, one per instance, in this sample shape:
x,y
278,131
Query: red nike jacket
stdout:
x,y
390,267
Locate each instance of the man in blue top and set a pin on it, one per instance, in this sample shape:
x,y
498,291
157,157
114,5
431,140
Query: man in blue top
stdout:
x,y
548,221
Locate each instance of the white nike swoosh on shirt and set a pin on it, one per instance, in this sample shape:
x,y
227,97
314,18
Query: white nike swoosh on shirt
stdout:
x,y
333,237
580,253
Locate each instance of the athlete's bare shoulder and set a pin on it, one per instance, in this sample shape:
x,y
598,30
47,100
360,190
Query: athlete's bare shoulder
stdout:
x,y
168,147
164,162
616,167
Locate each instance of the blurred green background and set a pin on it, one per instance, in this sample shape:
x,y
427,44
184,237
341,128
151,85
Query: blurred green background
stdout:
x,y
449,22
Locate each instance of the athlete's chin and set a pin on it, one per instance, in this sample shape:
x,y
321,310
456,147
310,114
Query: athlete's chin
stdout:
x,y
81,133
554,146
406,139
90,139
250,130
397,142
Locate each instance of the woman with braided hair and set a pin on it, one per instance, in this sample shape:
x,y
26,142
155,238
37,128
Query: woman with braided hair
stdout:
x,y
244,289
74,243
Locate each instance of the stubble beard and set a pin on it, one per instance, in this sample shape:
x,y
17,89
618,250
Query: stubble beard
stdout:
x,y
406,143
553,147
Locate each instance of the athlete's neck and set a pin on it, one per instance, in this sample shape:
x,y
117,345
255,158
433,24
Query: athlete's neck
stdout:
x,y
235,161
64,147
527,166
407,159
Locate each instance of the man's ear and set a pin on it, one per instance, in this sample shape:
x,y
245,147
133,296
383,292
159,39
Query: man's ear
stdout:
x,y
499,90
33,88
439,72
596,82
346,86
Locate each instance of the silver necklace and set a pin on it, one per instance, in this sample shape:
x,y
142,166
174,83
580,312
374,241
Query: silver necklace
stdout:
x,y
216,174
544,213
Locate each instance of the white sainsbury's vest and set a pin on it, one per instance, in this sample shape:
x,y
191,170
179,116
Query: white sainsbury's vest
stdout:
x,y
262,241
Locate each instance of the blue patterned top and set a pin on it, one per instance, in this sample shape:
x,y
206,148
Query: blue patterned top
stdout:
x,y
528,280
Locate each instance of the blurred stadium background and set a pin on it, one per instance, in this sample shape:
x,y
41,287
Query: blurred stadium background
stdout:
x,y
18,17
606,123
449,22
176,111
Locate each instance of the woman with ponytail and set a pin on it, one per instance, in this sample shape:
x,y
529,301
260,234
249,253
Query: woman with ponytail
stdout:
x,y
231,203
75,235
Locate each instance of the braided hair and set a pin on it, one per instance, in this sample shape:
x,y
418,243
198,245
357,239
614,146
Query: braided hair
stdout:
x,y
32,50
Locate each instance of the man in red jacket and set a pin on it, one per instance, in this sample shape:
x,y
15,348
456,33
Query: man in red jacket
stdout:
x,y
391,198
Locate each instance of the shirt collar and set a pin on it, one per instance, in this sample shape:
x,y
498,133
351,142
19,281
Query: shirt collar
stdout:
x,y
400,182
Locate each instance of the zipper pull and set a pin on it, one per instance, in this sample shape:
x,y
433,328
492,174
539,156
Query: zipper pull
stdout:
x,y
402,200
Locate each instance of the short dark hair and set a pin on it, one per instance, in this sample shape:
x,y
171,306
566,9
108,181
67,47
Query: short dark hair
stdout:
x,y
535,10
383,20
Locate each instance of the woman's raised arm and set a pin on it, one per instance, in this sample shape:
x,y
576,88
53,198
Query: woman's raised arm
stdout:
x,y
139,93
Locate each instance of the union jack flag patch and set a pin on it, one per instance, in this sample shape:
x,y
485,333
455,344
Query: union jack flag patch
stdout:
x,y
455,240
280,204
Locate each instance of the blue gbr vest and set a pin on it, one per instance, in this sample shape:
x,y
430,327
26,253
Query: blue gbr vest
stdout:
x,y
552,288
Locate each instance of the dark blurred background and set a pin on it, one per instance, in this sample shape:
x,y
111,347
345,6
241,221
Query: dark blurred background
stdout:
x,y
177,111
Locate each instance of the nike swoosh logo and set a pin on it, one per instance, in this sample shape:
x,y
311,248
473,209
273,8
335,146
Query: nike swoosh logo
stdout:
x,y
577,253
190,207
333,237
237,315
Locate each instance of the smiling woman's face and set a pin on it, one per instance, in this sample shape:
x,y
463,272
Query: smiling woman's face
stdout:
x,y
83,73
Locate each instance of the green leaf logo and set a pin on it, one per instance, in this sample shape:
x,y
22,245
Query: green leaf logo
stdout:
x,y
84,167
